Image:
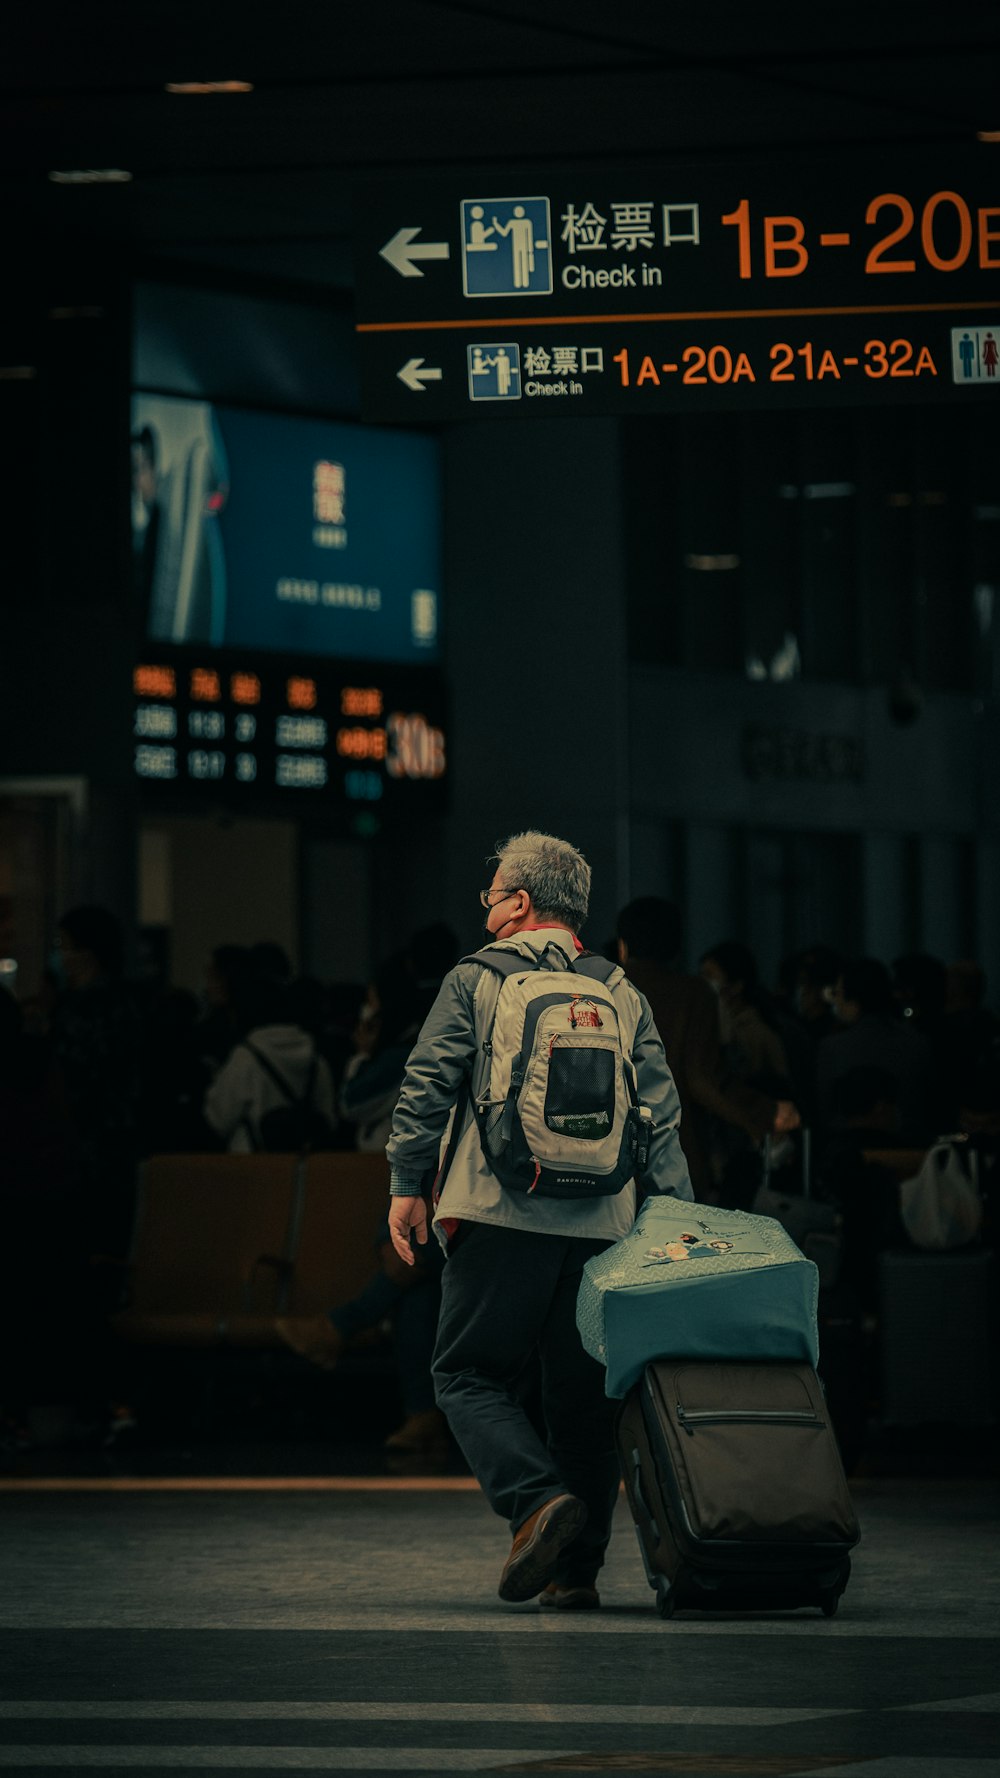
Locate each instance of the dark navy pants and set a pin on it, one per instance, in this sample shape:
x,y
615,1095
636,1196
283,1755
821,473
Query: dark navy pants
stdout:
x,y
509,1302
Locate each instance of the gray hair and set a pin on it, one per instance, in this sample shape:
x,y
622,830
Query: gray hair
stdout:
x,y
554,873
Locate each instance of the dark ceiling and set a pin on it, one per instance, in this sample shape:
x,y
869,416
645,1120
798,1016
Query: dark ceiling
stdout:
x,y
256,188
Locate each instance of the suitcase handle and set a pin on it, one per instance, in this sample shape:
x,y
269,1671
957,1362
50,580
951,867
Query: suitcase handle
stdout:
x,y
640,1498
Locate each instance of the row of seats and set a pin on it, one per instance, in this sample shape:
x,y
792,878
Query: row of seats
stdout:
x,y
226,1243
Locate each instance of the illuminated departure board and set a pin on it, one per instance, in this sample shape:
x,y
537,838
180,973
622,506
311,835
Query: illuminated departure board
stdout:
x,y
250,727
633,288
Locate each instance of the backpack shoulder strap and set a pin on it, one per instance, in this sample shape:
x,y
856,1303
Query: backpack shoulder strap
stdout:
x,y
545,962
600,969
310,1086
278,1078
505,963
502,963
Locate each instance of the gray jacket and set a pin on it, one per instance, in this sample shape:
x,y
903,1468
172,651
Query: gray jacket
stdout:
x,y
447,1054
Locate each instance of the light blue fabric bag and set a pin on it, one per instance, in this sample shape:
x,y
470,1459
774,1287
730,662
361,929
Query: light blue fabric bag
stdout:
x,y
692,1281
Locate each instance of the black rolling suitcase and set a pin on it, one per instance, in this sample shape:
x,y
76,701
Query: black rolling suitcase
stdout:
x,y
736,1487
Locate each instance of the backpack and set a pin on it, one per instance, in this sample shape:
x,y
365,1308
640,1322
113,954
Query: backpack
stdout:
x,y
297,1127
557,1105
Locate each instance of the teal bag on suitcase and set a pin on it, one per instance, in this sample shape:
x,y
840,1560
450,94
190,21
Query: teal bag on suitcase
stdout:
x,y
693,1281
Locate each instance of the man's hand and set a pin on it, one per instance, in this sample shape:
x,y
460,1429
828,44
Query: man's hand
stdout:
x,y
786,1118
406,1214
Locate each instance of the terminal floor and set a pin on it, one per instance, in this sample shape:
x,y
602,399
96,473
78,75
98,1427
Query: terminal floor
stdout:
x,y
341,1624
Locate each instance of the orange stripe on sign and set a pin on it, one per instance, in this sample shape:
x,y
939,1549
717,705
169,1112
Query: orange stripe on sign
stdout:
x,y
522,321
834,240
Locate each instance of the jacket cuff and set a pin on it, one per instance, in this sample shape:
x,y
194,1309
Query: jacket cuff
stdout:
x,y
405,1184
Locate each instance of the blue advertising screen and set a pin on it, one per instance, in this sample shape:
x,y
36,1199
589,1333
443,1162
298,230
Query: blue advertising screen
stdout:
x,y
263,531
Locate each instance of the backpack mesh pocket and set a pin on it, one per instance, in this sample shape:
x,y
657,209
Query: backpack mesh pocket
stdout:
x,y
580,1093
493,1127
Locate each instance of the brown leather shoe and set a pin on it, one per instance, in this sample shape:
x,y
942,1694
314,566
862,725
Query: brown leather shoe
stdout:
x,y
537,1547
570,1598
313,1337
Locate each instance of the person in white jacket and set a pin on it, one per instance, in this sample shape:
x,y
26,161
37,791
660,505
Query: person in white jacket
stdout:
x,y
270,1068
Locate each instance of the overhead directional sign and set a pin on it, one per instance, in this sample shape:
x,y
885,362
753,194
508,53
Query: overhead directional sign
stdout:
x,y
416,374
404,250
684,286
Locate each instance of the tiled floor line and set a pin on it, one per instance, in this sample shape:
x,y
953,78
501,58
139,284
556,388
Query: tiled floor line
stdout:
x,y
156,1710
475,1759
291,1759
638,1619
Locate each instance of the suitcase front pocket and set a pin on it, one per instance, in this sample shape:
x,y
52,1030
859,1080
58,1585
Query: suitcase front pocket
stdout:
x,y
691,1418
754,1458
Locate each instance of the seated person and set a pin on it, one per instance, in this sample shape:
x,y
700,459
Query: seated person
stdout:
x,y
408,1297
274,1068
383,1038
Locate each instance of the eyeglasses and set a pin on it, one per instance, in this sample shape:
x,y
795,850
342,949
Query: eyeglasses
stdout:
x,y
484,896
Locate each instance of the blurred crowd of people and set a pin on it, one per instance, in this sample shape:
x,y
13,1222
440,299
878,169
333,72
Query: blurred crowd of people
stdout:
x,y
97,1072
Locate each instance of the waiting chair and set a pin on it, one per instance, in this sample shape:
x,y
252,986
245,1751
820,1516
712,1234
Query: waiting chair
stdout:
x,y
343,1202
210,1249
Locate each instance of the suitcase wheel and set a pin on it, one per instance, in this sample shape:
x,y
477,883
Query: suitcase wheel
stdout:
x,y
665,1600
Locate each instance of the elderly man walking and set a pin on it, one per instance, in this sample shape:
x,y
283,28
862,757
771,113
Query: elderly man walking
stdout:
x,y
536,1095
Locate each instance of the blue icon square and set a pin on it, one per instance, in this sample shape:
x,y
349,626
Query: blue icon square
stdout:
x,y
506,247
494,372
975,355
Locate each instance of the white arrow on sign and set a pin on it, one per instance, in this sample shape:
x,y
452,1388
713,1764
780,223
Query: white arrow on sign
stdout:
x,y
404,248
415,373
